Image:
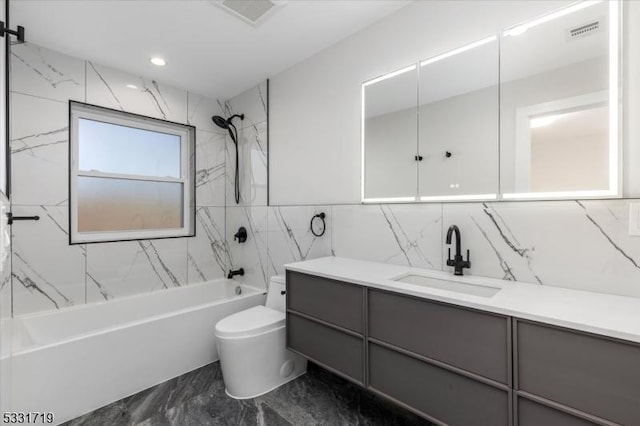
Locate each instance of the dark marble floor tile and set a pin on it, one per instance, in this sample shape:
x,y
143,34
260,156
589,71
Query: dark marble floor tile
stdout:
x,y
198,398
174,392
112,414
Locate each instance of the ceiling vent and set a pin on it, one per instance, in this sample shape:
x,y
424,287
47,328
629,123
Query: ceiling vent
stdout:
x,y
251,11
585,30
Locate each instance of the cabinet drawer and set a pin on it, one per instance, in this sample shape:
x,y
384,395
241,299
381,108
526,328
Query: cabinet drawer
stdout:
x,y
332,301
533,414
337,350
466,339
439,393
596,375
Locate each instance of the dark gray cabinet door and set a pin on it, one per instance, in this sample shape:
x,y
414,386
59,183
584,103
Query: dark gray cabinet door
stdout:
x,y
596,375
471,340
440,394
533,414
339,351
329,300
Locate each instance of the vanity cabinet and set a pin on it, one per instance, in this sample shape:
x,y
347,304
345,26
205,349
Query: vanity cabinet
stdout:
x,y
530,413
460,366
474,341
597,377
435,391
325,323
448,364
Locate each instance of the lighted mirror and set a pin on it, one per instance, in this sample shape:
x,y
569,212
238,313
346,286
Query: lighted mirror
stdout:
x,y
458,123
389,136
559,104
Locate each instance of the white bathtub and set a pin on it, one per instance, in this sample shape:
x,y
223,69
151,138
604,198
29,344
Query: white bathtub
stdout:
x,y
75,360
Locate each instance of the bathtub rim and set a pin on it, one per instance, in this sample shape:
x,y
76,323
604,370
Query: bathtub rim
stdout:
x,y
254,291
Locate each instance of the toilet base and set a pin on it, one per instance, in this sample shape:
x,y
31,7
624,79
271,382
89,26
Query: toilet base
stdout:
x,y
267,391
254,365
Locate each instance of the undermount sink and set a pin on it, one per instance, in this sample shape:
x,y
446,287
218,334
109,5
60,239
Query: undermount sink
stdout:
x,y
449,285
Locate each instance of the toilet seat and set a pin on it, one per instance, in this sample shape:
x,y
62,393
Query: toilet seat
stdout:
x,y
250,322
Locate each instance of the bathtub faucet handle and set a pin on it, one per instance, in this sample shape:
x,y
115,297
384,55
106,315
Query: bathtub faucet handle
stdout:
x,y
233,273
241,235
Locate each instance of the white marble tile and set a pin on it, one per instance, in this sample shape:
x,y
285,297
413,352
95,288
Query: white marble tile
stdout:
x,y
200,111
290,238
48,273
581,245
5,259
251,255
46,73
208,252
253,166
107,87
134,267
252,103
39,151
210,169
392,233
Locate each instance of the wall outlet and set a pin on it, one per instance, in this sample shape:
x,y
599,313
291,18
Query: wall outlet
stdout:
x,y
634,219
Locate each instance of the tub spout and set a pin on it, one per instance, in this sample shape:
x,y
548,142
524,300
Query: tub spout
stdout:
x,y
233,273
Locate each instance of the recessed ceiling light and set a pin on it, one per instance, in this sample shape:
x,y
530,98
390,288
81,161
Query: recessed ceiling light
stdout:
x,y
158,61
132,86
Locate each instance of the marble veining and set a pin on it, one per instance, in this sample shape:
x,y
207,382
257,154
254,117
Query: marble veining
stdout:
x,y
133,267
290,238
108,87
55,78
39,248
508,273
510,240
27,145
210,169
160,268
208,252
42,72
43,287
198,398
251,255
400,234
104,292
604,233
39,150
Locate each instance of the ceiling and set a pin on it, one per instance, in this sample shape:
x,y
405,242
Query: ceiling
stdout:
x,y
208,50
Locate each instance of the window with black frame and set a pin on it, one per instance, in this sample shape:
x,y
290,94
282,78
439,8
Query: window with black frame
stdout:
x,y
130,177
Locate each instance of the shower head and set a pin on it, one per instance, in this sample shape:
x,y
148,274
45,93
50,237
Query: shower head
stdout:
x,y
224,123
220,122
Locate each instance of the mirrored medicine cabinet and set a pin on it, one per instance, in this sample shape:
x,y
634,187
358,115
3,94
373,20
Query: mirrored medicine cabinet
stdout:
x,y
530,113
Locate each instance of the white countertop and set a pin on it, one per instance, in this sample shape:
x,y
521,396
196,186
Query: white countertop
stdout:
x,y
599,313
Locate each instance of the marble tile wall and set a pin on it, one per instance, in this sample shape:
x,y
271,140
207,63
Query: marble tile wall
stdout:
x,y
582,245
5,265
47,272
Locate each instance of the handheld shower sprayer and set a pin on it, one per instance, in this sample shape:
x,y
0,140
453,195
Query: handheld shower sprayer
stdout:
x,y
227,123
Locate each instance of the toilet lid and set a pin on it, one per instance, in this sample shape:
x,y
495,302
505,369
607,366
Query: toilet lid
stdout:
x,y
249,322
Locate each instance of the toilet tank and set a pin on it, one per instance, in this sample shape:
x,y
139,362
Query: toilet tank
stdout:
x,y
276,299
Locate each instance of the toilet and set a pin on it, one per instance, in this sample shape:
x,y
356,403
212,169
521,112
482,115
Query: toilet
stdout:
x,y
251,346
